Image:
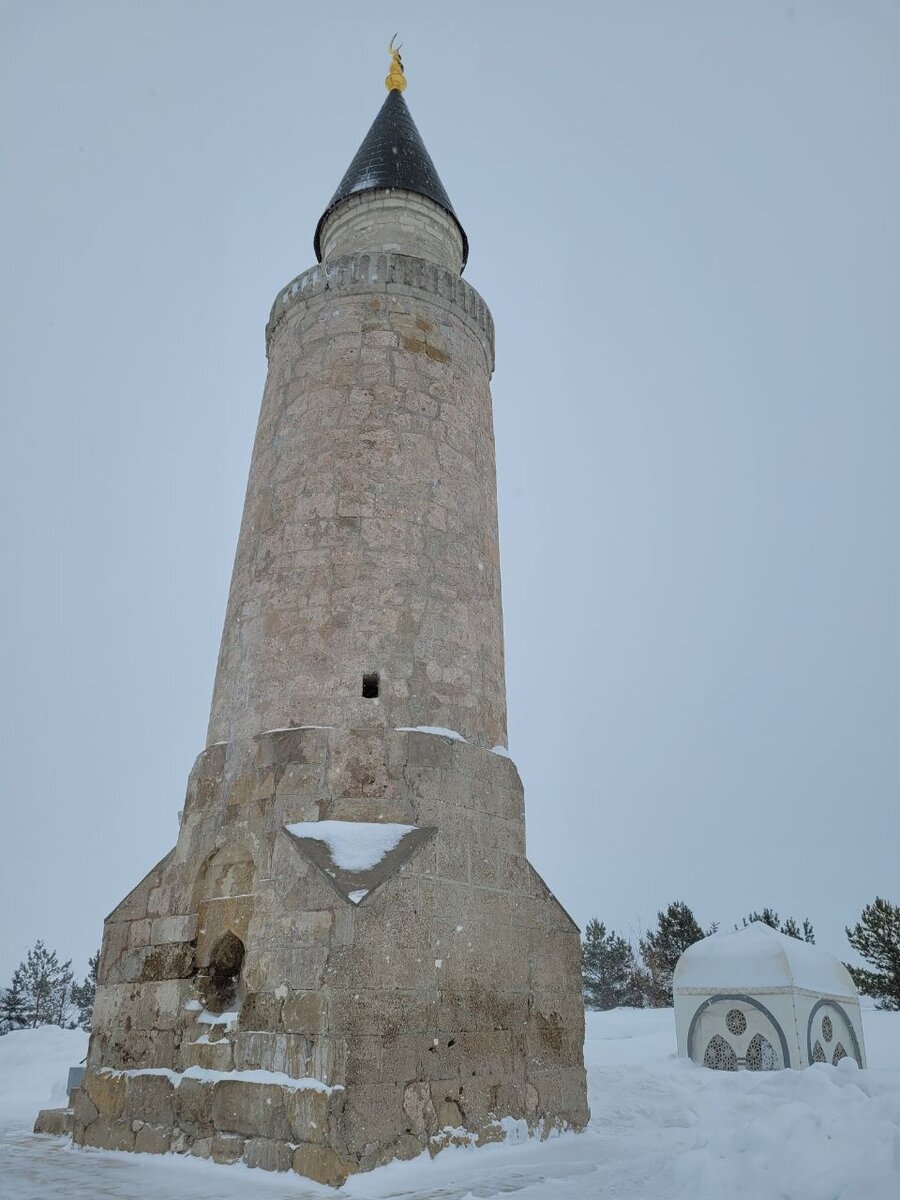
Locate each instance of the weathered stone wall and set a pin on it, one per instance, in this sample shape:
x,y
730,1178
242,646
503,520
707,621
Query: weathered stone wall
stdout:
x,y
369,537
393,222
444,1000
257,1001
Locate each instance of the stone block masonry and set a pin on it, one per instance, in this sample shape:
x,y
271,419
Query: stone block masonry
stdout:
x,y
295,985
369,539
356,1032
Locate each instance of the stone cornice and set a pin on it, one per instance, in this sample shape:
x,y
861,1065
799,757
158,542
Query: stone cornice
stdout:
x,y
391,274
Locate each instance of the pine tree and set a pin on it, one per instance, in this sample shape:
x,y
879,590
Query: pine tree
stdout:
x,y
608,969
876,936
46,984
677,928
83,993
12,1004
641,987
803,933
768,916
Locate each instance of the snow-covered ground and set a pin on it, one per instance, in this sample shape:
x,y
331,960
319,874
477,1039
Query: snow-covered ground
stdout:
x,y
661,1129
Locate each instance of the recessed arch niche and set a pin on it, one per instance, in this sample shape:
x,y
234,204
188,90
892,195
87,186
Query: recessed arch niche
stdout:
x,y
224,898
219,984
737,1032
830,1028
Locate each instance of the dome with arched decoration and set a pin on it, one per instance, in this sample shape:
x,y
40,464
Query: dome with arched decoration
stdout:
x,y
758,1000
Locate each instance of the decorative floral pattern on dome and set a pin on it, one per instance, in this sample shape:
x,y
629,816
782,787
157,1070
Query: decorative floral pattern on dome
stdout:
x,y
839,1053
827,1028
818,1052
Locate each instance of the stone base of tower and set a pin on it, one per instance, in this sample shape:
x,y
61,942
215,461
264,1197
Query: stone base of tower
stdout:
x,y
259,1000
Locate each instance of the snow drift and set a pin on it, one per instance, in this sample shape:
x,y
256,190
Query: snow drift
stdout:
x,y
662,1128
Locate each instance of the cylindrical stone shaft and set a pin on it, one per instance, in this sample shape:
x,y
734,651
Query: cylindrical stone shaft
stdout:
x,y
368,547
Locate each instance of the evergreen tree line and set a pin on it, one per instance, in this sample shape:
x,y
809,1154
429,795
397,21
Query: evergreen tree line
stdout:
x,y
44,991
614,976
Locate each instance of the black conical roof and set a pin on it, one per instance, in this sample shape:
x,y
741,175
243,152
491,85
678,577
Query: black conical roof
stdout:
x,y
392,155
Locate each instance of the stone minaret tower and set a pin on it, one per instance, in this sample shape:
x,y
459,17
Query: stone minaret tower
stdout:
x,y
347,957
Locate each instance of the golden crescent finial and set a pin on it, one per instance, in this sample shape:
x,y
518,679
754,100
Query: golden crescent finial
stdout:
x,y
396,80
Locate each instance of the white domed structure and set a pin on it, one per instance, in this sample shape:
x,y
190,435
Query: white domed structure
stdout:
x,y
758,1000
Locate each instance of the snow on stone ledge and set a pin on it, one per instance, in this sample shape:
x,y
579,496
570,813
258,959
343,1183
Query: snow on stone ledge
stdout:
x,y
306,1084
287,729
354,845
440,731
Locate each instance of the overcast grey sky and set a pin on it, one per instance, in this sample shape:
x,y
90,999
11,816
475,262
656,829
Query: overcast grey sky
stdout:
x,y
684,217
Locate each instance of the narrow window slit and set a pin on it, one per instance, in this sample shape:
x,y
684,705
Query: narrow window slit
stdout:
x,y
370,686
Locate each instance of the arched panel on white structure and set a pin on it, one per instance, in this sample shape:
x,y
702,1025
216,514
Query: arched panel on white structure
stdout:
x,y
762,1055
719,1055
830,1035
736,1032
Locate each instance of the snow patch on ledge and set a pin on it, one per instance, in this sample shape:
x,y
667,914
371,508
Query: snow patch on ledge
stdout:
x,y
438,730
292,729
204,1017
307,1084
354,845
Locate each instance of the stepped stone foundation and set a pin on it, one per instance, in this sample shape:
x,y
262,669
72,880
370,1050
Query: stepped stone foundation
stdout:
x,y
421,1016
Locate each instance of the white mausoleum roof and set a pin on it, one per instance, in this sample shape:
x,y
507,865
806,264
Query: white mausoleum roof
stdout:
x,y
758,956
